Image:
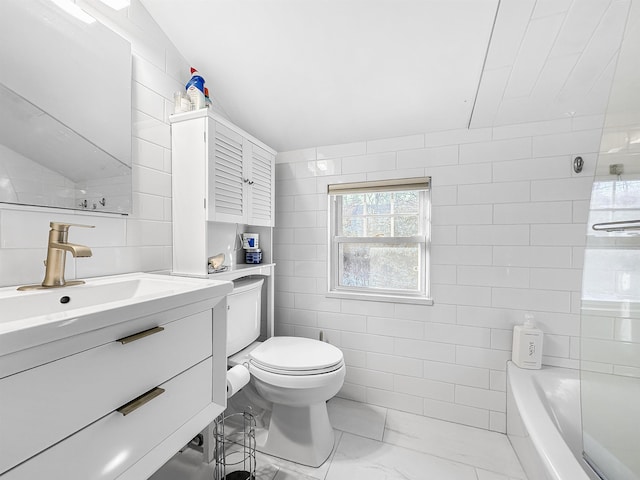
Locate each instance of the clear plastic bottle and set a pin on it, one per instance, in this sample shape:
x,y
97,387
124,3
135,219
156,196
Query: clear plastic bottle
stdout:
x,y
182,103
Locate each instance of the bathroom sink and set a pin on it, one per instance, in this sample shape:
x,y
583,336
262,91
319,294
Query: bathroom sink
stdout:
x,y
29,318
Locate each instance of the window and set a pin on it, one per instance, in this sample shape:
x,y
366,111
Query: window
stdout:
x,y
379,240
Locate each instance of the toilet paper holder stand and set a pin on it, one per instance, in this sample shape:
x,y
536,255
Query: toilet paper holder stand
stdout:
x,y
234,449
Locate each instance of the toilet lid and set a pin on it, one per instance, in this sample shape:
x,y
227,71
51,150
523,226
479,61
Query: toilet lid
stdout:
x,y
294,354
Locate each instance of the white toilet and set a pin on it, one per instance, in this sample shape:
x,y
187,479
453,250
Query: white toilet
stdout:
x,y
297,375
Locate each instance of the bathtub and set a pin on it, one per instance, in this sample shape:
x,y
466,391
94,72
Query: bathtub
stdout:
x,y
543,423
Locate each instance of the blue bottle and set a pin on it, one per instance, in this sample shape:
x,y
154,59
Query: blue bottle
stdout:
x,y
195,90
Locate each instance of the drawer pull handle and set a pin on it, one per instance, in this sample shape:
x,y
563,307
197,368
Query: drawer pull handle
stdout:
x,y
136,403
139,335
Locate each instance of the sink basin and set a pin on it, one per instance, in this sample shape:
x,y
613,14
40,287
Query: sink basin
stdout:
x,y
59,302
30,318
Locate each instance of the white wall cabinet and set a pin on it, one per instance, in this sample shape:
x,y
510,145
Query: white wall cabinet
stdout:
x,y
241,177
219,174
238,170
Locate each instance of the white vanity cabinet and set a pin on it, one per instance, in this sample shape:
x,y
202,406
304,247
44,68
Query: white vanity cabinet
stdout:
x,y
219,174
117,401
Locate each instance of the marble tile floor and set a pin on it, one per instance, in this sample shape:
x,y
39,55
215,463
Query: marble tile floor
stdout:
x,y
376,443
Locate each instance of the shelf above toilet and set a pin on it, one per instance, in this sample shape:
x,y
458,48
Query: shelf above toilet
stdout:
x,y
244,270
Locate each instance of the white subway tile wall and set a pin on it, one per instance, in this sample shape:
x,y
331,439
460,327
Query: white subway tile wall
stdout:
x,y
142,240
508,236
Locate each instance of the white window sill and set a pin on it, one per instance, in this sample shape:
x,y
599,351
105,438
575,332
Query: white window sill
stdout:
x,y
377,297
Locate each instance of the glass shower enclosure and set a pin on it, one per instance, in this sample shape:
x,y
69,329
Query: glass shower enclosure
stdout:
x,y
610,316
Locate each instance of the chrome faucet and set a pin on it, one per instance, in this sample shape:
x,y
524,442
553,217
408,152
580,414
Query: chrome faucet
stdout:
x,y
56,256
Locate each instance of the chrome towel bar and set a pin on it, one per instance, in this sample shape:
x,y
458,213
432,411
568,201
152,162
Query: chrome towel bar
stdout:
x,y
617,226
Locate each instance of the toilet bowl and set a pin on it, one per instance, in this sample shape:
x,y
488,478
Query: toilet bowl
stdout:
x,y
295,375
299,429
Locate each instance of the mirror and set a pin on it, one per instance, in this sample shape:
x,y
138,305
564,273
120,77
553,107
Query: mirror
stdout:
x,y
65,98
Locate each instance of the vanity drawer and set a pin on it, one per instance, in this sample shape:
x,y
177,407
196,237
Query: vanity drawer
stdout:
x,y
46,404
106,448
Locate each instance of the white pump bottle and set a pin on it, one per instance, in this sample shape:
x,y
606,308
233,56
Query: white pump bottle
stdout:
x,y
527,344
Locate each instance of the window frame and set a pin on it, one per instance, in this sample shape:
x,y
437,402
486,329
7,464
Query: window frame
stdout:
x,y
422,295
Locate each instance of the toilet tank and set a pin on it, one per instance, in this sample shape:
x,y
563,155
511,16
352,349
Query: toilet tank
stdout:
x,y
243,314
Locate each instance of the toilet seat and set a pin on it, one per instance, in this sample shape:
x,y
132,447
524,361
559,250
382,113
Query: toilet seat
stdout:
x,y
296,356
297,382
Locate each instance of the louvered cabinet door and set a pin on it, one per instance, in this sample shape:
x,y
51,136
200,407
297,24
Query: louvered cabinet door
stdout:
x,y
261,186
227,189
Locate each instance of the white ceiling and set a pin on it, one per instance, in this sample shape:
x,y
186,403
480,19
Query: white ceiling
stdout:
x,y
550,59
301,73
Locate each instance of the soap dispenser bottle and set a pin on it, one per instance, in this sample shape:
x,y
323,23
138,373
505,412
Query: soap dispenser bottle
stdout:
x,y
527,344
